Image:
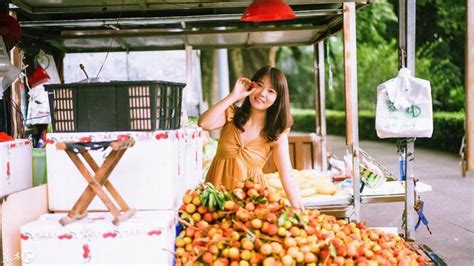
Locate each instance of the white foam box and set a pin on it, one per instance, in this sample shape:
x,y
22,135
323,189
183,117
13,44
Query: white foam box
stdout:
x,y
146,238
189,159
15,166
147,176
17,209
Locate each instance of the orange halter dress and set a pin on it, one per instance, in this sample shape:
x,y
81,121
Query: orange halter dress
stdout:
x,y
235,161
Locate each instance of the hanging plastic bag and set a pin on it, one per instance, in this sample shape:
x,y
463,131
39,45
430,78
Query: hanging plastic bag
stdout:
x,y
38,107
8,72
404,107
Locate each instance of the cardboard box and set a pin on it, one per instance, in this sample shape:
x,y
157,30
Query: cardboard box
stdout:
x,y
15,166
146,238
151,175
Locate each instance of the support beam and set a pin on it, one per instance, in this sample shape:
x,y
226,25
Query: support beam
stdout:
x,y
320,102
350,85
22,5
407,49
221,74
58,56
470,85
220,80
16,103
16,99
189,89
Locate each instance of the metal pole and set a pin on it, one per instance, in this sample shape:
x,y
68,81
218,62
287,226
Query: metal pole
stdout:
x,y
127,64
222,68
350,84
220,79
407,31
320,102
470,85
187,91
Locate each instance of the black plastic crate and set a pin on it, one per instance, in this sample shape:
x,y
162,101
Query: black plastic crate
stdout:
x,y
115,106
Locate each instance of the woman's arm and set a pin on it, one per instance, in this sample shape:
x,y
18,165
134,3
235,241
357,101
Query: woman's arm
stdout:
x,y
281,157
214,117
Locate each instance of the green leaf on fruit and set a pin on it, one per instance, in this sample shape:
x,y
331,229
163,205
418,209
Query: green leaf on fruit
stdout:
x,y
332,250
228,196
211,202
282,219
220,200
250,237
204,197
300,220
260,199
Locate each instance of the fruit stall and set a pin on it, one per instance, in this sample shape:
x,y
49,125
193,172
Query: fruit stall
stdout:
x,y
244,226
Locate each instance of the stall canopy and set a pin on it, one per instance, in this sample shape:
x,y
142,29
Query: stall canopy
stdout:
x,y
139,25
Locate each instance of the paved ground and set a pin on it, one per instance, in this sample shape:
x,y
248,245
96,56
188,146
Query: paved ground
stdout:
x,y
449,207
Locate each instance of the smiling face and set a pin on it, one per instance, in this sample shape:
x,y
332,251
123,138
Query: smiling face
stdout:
x,y
264,95
271,96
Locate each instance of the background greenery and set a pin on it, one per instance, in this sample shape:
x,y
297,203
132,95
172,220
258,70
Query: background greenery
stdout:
x,y
440,43
447,132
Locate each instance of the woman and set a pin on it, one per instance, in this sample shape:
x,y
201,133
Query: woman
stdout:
x,y
252,132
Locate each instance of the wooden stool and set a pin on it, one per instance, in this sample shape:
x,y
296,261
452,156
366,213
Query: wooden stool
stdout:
x,y
98,180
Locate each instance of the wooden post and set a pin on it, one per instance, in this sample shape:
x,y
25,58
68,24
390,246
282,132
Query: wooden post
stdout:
x,y
350,85
58,56
407,31
320,103
15,97
469,152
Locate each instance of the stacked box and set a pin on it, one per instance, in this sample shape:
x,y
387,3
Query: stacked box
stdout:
x,y
146,238
15,166
189,159
151,175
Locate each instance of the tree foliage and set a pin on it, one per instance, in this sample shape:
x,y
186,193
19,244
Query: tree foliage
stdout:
x,y
440,41
297,64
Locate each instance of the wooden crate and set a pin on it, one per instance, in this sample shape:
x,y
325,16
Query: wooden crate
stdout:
x,y
304,153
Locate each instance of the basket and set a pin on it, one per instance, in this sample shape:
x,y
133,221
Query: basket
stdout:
x,y
115,106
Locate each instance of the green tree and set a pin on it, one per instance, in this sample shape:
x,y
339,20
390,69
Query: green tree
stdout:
x,y
297,64
440,41
376,56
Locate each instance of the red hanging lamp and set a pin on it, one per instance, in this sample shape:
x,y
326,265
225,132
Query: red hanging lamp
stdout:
x,y
267,10
10,31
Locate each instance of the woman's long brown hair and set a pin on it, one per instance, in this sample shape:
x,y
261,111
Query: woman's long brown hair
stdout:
x,y
278,116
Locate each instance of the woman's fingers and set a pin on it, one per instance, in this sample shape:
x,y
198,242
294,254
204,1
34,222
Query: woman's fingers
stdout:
x,y
250,92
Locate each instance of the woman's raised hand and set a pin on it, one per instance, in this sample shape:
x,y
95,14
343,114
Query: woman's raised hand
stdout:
x,y
242,88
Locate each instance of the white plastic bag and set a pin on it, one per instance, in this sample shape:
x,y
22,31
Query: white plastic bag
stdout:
x,y
404,107
38,107
8,72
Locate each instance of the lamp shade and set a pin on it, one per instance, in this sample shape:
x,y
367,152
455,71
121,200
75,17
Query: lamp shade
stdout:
x,y
10,30
267,10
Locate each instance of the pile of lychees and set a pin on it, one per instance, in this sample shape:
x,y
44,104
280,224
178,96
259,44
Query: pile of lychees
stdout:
x,y
252,225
